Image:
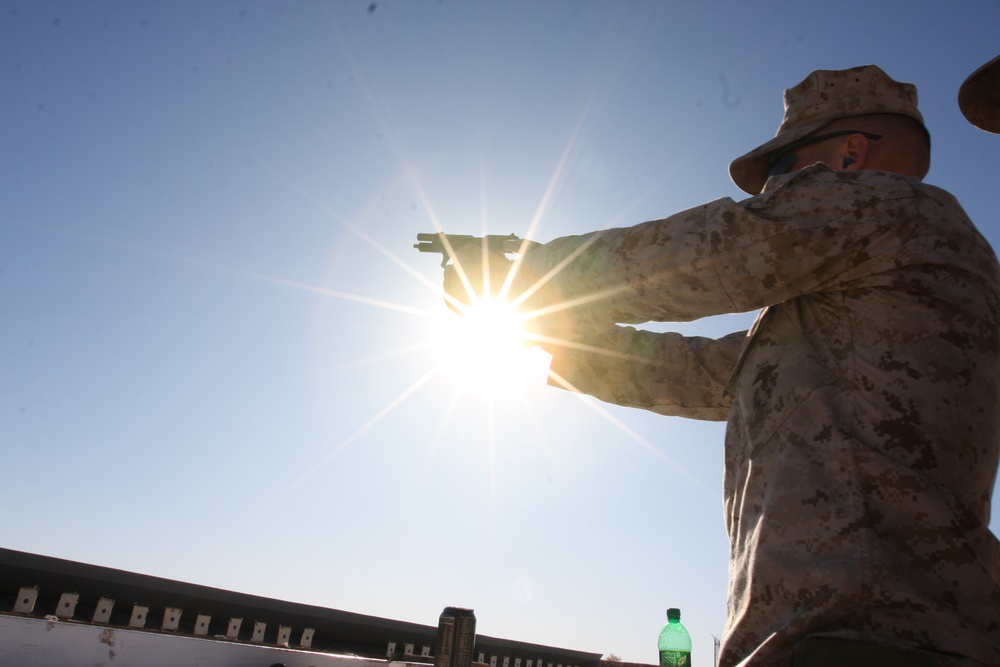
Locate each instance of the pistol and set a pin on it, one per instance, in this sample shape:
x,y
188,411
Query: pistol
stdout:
x,y
435,242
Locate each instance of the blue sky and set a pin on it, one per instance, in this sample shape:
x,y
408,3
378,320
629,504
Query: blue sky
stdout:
x,y
214,359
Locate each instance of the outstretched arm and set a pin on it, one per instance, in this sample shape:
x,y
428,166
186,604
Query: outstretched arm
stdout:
x,y
666,373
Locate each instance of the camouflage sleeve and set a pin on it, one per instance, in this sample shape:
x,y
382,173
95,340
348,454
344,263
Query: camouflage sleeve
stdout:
x,y
721,257
666,373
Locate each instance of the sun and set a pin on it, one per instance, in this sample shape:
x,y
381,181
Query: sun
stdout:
x,y
486,349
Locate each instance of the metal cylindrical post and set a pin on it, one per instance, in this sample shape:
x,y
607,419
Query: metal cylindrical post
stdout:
x,y
456,638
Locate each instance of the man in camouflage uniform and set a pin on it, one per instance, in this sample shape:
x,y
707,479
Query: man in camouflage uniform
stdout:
x,y
863,406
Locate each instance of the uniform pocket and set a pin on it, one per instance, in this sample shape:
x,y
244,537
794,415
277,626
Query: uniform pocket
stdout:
x,y
777,371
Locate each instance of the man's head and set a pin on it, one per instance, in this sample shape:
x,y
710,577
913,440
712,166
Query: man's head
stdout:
x,y
850,119
887,142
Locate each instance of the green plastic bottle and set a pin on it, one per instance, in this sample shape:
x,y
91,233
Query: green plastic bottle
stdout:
x,y
675,642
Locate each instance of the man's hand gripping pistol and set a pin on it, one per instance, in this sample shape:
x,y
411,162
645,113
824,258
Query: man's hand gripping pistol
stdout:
x,y
449,244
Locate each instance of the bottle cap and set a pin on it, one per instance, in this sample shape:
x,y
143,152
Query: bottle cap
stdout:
x,y
673,614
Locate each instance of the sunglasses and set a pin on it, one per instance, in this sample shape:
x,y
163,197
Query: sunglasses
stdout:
x,y
781,161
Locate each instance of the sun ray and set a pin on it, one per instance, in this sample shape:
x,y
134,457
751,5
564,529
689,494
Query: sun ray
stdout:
x,y
324,291
529,409
491,449
346,442
557,175
354,229
583,347
560,168
388,354
380,109
179,258
399,261
386,119
594,405
447,413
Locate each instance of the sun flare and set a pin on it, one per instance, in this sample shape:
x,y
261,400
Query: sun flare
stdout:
x,y
485,348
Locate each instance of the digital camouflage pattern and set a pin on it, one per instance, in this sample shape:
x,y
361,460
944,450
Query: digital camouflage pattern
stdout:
x,y
863,406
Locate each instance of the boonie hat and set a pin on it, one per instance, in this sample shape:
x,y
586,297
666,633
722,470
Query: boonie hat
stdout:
x,y
979,97
821,98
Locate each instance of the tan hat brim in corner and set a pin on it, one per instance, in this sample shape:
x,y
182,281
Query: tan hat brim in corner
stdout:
x,y
979,97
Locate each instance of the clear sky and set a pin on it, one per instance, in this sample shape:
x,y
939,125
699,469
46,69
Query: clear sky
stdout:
x,y
214,332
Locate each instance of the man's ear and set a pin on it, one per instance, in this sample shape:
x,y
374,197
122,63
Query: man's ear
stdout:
x,y
853,153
